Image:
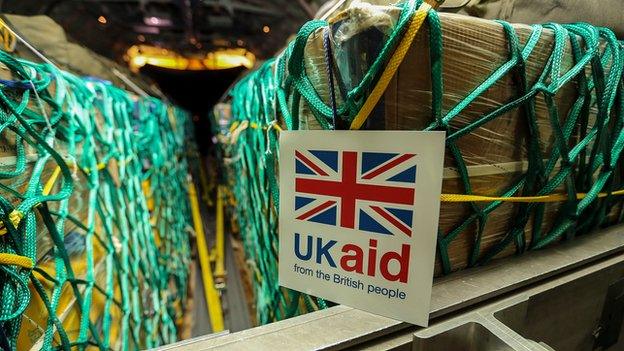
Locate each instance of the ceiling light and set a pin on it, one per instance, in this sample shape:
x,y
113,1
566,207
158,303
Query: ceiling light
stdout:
x,y
141,55
102,19
266,29
157,21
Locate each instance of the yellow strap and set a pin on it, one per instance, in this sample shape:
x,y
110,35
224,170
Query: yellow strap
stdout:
x,y
544,198
219,271
213,299
234,126
15,217
57,171
8,38
236,131
392,66
9,259
100,166
239,126
50,183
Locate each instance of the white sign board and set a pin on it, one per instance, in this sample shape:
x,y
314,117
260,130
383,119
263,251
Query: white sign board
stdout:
x,y
359,218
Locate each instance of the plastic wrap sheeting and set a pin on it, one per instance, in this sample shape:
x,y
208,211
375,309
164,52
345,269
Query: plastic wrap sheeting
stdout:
x,y
495,153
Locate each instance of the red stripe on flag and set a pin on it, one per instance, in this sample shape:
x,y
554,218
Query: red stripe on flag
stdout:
x,y
387,166
316,210
368,192
392,220
309,163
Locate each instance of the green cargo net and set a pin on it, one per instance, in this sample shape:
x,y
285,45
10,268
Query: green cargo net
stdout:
x,y
587,139
94,248
249,164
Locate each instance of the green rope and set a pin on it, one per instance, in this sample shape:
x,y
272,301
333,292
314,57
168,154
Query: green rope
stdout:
x,y
111,269
585,155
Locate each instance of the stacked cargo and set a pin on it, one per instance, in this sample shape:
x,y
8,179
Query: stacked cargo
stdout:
x,y
534,117
502,111
94,248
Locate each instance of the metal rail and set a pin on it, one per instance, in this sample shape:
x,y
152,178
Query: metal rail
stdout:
x,y
342,327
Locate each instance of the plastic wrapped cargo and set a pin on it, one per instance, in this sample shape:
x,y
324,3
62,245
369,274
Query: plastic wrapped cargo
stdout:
x,y
93,252
533,115
495,153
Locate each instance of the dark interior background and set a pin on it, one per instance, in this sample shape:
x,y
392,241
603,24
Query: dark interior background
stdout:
x,y
197,91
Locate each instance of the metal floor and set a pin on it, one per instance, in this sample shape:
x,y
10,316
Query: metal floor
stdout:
x,y
544,300
235,313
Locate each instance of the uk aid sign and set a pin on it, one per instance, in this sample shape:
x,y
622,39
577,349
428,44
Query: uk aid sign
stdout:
x,y
359,216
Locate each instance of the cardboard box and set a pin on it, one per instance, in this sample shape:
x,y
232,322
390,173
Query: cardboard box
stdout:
x,y
495,153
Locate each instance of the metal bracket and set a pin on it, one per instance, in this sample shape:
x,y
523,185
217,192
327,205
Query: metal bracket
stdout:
x,y
608,331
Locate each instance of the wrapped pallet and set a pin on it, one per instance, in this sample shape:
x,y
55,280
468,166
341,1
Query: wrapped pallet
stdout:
x,y
493,136
85,261
533,115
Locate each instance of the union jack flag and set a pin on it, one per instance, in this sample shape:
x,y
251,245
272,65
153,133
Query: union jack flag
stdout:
x,y
370,191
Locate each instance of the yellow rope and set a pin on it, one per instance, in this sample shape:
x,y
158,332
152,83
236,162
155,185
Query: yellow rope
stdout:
x,y
234,126
57,171
544,198
8,38
395,61
9,259
392,66
15,217
100,166
50,183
